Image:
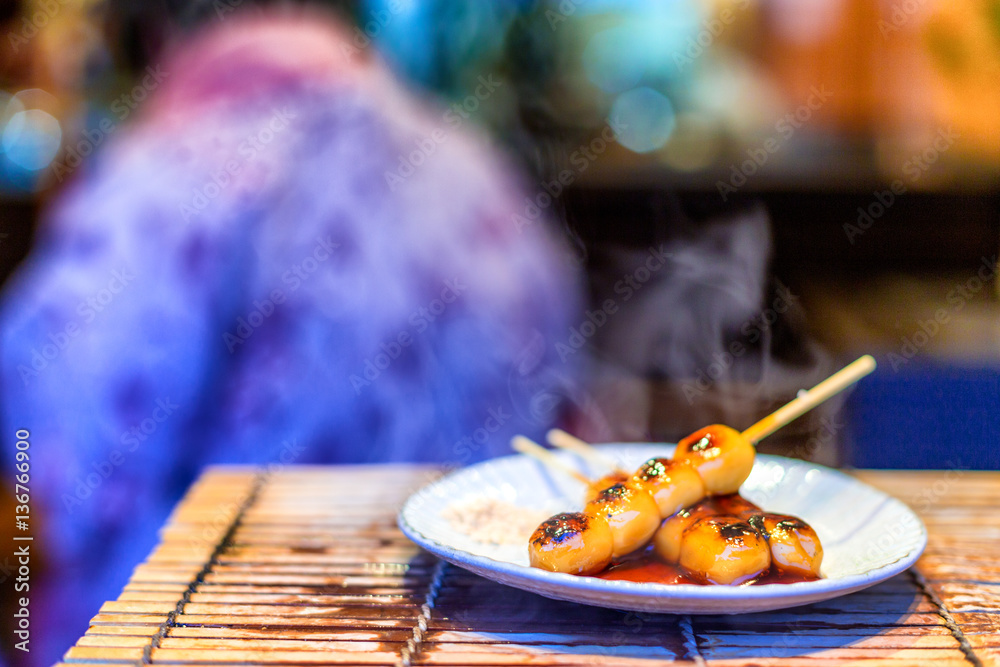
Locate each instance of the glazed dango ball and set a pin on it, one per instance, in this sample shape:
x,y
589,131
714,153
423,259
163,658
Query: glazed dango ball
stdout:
x,y
794,545
724,549
667,540
631,513
612,478
673,484
721,455
571,542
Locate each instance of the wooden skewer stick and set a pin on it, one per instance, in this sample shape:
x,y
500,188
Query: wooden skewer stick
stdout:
x,y
563,440
536,451
808,400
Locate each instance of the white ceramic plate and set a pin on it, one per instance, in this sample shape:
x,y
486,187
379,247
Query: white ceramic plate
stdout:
x,y
867,535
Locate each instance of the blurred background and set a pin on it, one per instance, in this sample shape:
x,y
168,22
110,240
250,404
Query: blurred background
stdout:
x,y
754,191
847,151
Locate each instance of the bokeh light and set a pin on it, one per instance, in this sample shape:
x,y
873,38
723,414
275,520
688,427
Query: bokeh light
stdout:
x,y
644,119
31,139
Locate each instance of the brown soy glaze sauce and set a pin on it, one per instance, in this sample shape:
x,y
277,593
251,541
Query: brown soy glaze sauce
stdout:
x,y
644,566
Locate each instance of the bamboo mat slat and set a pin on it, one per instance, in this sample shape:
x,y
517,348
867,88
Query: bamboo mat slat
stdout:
x,y
305,566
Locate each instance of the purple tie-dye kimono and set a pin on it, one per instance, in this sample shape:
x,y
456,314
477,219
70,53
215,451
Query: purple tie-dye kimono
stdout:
x,y
280,257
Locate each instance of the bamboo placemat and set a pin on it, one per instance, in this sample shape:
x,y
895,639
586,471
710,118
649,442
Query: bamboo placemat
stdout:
x,y
305,566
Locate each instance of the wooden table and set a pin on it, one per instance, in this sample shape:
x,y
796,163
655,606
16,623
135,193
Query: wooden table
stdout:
x,y
306,566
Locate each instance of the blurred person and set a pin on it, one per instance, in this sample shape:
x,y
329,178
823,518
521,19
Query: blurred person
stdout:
x,y
282,258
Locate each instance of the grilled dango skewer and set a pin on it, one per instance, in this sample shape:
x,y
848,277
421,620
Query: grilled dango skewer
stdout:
x,y
594,488
673,484
721,455
724,549
718,549
794,545
667,539
573,542
631,512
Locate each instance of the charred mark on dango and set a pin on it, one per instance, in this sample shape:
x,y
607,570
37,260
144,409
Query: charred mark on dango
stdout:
x,y
560,527
615,492
704,443
735,531
651,469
